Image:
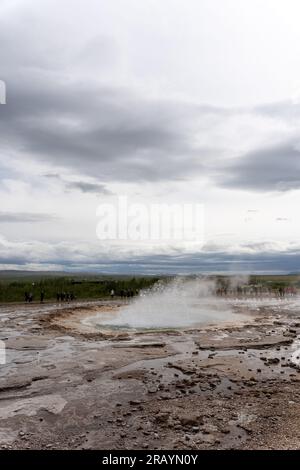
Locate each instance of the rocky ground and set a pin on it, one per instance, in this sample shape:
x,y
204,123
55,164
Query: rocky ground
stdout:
x,y
68,386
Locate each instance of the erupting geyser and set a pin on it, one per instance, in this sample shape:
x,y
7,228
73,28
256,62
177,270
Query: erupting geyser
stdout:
x,y
180,303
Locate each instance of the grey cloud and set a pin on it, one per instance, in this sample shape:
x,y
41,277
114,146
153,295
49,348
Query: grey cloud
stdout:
x,y
57,114
25,217
83,186
268,169
52,175
112,135
100,132
88,187
212,262
283,110
85,256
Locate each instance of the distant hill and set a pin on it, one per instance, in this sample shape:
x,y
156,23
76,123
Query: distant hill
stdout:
x,y
14,275
21,274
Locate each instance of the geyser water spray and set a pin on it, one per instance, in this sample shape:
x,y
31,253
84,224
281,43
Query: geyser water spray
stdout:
x,y
180,303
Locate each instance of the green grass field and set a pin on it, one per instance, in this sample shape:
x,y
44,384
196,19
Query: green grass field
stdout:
x,y
13,285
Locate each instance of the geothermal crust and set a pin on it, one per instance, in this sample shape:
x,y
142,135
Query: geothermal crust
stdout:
x,y
69,385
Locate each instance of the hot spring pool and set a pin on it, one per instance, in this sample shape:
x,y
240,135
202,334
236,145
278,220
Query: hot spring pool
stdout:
x,y
178,304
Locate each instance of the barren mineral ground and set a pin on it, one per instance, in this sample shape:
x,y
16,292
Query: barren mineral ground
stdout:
x,y
69,385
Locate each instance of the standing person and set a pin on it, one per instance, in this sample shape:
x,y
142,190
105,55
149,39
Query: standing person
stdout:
x,y
26,297
42,296
112,294
281,292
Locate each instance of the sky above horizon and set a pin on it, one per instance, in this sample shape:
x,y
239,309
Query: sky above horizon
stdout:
x,y
168,101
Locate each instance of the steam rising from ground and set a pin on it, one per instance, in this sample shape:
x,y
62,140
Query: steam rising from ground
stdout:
x,y
180,303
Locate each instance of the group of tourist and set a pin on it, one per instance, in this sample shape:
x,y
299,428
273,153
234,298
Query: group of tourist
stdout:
x,y
29,297
65,296
124,294
255,291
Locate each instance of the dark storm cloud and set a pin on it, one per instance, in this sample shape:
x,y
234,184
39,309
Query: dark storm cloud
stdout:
x,y
25,217
267,169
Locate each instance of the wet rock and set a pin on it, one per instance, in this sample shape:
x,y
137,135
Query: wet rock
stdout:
x,y
225,430
162,417
135,402
14,383
273,360
190,420
165,396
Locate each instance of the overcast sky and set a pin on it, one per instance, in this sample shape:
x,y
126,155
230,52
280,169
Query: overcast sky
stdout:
x,y
168,101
